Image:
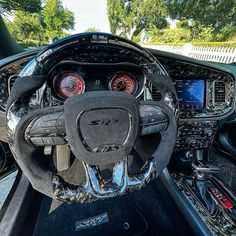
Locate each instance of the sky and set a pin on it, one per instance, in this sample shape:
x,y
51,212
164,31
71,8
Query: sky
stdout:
x,y
88,13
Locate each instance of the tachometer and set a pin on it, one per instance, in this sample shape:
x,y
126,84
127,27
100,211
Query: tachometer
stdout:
x,y
68,84
123,82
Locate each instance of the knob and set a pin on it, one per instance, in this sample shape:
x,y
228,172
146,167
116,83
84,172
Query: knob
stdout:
x,y
191,141
208,132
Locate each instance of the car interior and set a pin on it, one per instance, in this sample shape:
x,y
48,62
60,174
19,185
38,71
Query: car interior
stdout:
x,y
110,138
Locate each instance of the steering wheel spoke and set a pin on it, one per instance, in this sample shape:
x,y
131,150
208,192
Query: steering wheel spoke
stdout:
x,y
95,187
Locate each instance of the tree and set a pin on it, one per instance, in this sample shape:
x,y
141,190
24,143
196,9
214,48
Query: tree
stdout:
x,y
128,17
215,14
41,28
56,19
28,29
6,6
31,6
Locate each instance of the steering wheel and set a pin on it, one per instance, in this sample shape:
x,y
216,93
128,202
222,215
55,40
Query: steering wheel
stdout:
x,y
100,127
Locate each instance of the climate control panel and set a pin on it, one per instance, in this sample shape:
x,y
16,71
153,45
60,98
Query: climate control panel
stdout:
x,y
195,135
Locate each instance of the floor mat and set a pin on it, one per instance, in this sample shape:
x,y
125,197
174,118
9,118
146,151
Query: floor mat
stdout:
x,y
146,212
119,216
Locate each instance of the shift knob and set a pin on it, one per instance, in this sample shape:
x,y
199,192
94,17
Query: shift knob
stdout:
x,y
203,169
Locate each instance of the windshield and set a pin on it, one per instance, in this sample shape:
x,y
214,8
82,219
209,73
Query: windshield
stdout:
x,y
182,27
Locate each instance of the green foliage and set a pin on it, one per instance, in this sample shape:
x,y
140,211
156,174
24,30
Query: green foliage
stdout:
x,y
92,29
23,5
183,24
212,20
27,29
200,44
214,13
199,20
215,44
56,19
37,29
176,35
201,33
128,17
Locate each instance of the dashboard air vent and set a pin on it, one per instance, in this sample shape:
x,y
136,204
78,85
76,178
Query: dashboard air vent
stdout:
x,y
219,89
11,81
156,94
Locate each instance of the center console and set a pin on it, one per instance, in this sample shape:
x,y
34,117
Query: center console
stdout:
x,y
215,203
205,180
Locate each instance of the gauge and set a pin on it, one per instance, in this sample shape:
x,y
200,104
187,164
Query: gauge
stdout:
x,y
68,84
123,82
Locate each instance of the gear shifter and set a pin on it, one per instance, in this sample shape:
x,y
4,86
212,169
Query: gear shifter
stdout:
x,y
203,169
212,197
200,183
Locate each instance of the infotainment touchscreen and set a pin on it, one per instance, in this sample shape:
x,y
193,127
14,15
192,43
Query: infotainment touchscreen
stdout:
x,y
190,93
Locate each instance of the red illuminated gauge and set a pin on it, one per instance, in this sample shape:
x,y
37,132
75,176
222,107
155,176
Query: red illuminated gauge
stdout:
x,y
123,82
68,84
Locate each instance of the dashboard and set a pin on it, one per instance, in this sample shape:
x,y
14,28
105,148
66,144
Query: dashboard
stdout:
x,y
206,92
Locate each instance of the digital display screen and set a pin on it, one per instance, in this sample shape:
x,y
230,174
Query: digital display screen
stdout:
x,y
190,93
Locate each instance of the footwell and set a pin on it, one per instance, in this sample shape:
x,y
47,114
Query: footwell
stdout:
x,y
147,212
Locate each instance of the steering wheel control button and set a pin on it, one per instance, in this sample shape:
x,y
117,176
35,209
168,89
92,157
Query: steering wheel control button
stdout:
x,y
53,116
153,119
37,141
49,124
44,130
60,122
58,140
48,141
146,130
47,130
61,129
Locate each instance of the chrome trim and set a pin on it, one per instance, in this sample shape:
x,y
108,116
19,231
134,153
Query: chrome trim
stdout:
x,y
29,68
9,87
14,115
95,188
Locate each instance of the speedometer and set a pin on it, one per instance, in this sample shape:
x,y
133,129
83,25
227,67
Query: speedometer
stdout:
x,y
68,84
123,82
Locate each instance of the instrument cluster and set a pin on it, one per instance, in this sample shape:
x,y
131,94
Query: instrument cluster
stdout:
x,y
69,78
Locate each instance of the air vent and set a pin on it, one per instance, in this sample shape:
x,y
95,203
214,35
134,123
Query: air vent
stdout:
x,y
219,96
11,81
156,94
